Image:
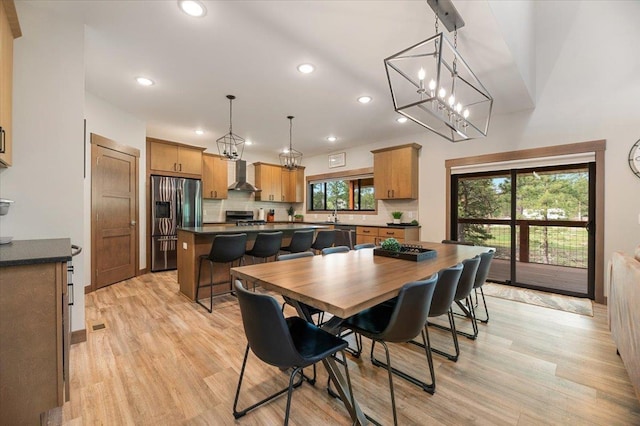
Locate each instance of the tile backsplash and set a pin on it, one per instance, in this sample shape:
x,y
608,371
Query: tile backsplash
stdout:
x,y
213,210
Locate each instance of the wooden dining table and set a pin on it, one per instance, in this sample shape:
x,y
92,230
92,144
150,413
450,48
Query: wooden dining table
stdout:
x,y
344,284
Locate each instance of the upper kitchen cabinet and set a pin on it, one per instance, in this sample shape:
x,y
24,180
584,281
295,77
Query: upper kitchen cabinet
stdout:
x,y
395,172
269,180
174,159
9,30
214,177
293,185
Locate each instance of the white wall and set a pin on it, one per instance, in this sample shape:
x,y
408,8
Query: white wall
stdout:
x,y
106,120
46,179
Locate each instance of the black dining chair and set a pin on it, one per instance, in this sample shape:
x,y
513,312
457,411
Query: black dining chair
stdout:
x,y
463,293
266,245
226,248
290,343
300,241
364,246
481,278
396,322
336,249
323,240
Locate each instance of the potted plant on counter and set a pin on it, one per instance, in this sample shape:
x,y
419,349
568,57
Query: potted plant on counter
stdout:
x,y
290,212
298,218
396,217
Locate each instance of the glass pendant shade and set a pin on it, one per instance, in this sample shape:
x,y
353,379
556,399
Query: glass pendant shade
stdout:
x,y
432,85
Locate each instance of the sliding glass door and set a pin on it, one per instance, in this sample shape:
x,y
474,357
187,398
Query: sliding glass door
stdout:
x,y
539,221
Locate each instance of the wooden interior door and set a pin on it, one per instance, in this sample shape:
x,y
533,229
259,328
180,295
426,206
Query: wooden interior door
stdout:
x,y
114,201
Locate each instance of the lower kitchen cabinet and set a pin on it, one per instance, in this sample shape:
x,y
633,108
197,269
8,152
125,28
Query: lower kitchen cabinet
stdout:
x,y
34,329
376,235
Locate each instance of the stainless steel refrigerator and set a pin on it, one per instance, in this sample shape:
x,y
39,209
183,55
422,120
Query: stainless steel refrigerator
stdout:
x,y
175,202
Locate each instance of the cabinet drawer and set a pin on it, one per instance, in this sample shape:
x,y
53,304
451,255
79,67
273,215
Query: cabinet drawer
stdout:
x,y
391,233
366,230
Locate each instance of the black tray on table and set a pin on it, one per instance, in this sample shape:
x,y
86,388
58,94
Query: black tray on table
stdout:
x,y
407,252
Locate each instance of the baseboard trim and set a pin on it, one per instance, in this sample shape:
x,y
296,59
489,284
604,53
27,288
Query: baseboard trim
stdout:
x,y
78,336
142,271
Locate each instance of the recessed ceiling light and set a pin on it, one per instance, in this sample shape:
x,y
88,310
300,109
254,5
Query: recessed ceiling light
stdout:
x,y
332,139
192,8
365,99
401,119
306,68
144,81
247,142
199,132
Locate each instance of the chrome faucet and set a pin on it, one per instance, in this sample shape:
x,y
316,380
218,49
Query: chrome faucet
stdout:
x,y
335,214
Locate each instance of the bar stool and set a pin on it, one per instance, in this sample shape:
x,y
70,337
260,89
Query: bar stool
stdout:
x,y
300,241
324,239
224,249
267,244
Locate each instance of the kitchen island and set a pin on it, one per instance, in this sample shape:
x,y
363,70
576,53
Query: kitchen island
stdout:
x,y
196,241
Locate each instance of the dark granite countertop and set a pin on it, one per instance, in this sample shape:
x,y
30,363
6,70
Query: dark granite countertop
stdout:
x,y
29,252
269,227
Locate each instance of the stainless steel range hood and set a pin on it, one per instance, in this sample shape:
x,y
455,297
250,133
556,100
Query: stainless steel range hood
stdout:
x,y
241,183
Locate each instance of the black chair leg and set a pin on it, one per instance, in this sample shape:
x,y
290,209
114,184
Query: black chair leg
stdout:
x,y
427,387
454,334
469,313
486,311
292,385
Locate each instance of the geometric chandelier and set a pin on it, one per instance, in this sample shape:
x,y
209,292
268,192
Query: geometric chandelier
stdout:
x,y
432,85
230,146
290,158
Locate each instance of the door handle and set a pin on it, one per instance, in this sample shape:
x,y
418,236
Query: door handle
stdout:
x,y
2,142
133,223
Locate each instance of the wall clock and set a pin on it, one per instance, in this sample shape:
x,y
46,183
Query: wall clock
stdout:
x,y
634,158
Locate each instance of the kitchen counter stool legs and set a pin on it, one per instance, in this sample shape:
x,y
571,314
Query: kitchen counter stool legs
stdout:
x,y
224,249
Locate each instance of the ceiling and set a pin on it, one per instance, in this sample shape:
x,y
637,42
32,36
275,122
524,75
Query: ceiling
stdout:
x,y
251,49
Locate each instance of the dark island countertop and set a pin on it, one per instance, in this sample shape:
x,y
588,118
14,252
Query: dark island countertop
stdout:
x,y
269,227
29,252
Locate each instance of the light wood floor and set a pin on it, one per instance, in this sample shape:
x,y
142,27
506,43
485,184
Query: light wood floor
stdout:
x,y
162,360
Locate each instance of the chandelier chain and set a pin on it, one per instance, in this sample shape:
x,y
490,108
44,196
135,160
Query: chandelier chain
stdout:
x,y
290,133
455,47
230,116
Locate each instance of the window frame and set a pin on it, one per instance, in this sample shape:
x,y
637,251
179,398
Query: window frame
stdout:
x,y
347,175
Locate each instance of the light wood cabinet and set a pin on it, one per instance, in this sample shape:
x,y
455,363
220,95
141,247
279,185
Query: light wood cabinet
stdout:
x,y
174,159
214,177
269,180
9,30
293,185
395,172
279,184
376,235
366,234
